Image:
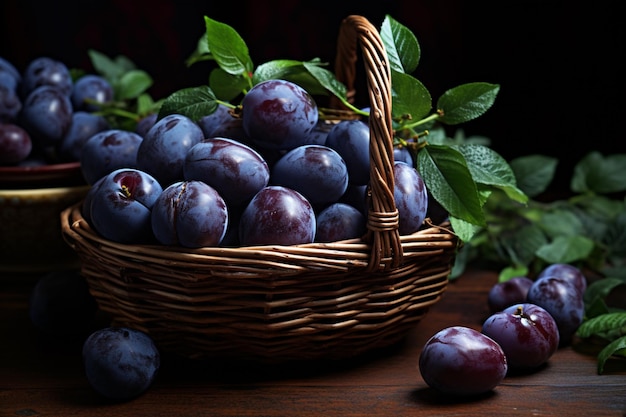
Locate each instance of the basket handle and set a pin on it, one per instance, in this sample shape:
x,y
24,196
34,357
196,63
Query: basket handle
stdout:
x,y
383,219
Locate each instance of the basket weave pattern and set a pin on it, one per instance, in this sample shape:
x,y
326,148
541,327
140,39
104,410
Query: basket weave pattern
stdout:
x,y
276,303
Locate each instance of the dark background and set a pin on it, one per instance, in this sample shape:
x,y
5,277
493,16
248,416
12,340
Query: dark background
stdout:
x,y
560,64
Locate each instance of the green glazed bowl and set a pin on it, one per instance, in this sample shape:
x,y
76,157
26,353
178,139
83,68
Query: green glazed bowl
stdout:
x,y
31,201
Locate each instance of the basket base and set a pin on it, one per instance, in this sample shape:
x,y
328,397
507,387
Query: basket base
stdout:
x,y
280,349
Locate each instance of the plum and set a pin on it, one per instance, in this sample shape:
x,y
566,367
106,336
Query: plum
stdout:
x,y
461,361
120,363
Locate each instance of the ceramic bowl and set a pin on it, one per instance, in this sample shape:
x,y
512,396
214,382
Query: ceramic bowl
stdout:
x,y
31,201
30,229
41,176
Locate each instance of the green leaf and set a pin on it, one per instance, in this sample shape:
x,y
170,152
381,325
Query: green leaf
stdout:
x,y
277,69
194,102
511,272
611,326
146,105
596,308
615,238
124,63
132,84
401,45
462,258
465,231
450,182
561,223
600,174
290,70
309,75
616,347
104,65
601,324
599,216
466,102
409,96
489,168
521,244
437,136
228,48
201,53
226,86
566,249
534,173
599,207
601,288
111,69
326,79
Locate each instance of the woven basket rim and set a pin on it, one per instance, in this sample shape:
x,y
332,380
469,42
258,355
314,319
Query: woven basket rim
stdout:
x,y
73,221
349,254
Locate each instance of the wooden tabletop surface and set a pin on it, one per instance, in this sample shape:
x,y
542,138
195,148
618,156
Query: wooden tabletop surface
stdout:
x,y
39,377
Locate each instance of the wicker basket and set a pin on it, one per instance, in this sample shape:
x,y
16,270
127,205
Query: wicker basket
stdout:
x,y
279,303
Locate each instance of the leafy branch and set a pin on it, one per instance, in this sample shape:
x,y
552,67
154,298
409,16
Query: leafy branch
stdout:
x,y
131,100
460,177
587,230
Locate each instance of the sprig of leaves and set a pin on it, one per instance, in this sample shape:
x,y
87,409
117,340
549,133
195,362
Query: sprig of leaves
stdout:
x,y
131,99
611,327
587,230
460,177
235,74
604,322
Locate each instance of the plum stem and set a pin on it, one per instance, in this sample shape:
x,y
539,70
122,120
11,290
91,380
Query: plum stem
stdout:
x,y
519,311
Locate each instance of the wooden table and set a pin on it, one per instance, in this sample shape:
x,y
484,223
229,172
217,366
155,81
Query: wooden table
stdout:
x,y
42,378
